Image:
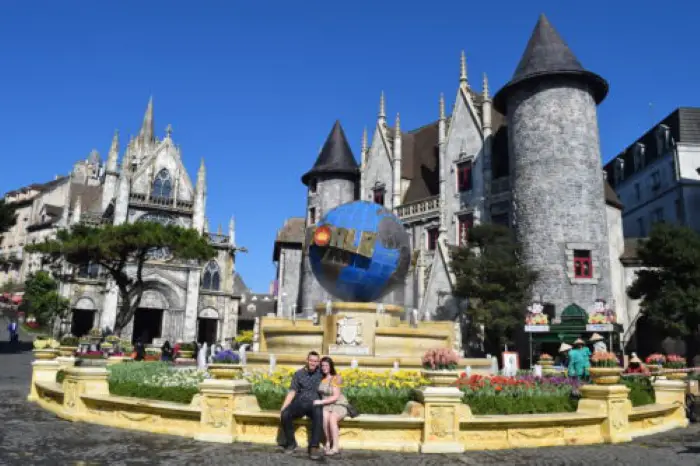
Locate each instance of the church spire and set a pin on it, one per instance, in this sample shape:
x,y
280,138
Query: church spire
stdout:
x,y
381,117
463,70
113,153
147,133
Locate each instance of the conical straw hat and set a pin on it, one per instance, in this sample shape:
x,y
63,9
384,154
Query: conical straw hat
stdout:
x,y
564,347
596,337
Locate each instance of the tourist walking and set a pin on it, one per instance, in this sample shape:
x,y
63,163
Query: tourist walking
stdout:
x,y
334,403
13,331
166,352
140,350
303,392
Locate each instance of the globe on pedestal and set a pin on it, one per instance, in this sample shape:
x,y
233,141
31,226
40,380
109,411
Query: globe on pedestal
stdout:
x,y
359,251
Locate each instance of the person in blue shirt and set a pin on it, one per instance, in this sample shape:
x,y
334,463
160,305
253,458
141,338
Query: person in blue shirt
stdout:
x,y
12,329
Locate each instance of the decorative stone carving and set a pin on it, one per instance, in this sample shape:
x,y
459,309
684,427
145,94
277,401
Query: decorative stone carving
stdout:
x,y
349,331
441,425
218,412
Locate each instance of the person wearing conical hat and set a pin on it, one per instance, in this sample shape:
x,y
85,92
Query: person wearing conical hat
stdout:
x,y
579,359
564,355
598,342
636,366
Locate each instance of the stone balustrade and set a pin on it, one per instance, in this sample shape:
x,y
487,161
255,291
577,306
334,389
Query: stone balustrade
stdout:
x,y
163,203
424,208
226,411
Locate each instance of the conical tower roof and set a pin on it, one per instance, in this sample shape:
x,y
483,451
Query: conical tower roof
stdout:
x,y
545,56
335,158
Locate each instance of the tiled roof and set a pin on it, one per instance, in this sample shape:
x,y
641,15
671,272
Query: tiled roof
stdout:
x,y
335,157
291,234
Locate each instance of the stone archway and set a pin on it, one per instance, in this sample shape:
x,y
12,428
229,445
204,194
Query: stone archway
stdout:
x,y
208,326
153,318
83,316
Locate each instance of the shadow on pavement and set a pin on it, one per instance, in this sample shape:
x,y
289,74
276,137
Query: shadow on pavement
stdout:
x,y
8,348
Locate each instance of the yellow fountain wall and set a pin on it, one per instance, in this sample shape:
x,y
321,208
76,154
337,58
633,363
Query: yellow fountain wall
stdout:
x,y
225,411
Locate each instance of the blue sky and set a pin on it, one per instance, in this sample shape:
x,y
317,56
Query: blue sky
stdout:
x,y
255,87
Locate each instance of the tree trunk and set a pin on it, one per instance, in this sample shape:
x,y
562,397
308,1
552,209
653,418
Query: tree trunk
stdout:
x,y
691,349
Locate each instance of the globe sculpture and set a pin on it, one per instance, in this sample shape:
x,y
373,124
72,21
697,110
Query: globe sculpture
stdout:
x,y
359,251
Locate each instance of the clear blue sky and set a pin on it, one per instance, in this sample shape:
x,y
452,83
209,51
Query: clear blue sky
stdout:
x,y
254,87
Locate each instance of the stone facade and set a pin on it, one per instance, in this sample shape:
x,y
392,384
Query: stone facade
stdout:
x,y
535,167
150,184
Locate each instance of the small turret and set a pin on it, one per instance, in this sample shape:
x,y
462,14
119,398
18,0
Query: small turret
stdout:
x,y
396,168
442,163
200,199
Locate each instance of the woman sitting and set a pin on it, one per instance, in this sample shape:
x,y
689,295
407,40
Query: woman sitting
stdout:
x,y
636,367
334,405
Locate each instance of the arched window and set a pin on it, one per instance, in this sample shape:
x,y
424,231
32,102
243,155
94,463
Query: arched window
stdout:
x,y
211,279
162,185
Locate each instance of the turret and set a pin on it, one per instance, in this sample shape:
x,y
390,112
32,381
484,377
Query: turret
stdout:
x,y
111,174
442,163
200,199
396,167
558,192
121,201
331,182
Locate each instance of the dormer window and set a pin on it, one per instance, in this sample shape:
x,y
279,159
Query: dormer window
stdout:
x,y
663,139
464,176
639,151
619,170
433,234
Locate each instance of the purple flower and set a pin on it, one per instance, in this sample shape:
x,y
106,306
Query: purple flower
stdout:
x,y
226,357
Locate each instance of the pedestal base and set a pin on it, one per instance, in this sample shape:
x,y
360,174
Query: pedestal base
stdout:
x,y
443,412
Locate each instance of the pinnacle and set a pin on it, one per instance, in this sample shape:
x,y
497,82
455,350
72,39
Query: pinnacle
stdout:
x,y
335,157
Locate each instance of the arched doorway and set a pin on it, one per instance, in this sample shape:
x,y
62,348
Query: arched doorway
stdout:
x,y
82,316
208,326
148,318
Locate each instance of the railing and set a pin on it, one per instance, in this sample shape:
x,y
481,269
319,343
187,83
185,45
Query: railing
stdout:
x,y
500,185
162,202
13,255
217,238
423,208
93,219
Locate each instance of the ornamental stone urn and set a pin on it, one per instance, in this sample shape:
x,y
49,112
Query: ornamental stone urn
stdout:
x,y
605,375
441,378
45,353
185,354
676,375
225,371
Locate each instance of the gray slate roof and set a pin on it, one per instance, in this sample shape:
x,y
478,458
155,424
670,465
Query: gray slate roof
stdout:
x,y
335,158
546,56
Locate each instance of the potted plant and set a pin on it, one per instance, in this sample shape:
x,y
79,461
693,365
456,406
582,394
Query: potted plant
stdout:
x,y
45,347
676,364
186,351
226,365
545,360
605,368
69,345
152,354
91,358
655,362
440,367
95,335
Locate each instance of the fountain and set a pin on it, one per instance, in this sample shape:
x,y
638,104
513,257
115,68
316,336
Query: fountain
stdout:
x,y
358,269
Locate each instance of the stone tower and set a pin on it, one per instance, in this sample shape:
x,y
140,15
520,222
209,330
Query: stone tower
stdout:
x,y
558,186
332,181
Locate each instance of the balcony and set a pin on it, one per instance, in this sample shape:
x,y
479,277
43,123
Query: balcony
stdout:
x,y
217,239
93,219
500,185
425,208
12,255
160,203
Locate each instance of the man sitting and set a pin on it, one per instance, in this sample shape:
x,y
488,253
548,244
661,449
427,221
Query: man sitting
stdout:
x,y
303,391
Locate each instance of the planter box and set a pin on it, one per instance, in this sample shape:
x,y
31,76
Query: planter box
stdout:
x,y
441,378
45,354
605,375
225,371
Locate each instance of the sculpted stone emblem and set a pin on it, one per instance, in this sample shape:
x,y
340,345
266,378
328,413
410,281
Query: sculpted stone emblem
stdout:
x,y
441,422
217,412
349,332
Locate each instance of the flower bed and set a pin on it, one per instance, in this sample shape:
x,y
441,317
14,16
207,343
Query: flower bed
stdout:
x,y
517,395
369,392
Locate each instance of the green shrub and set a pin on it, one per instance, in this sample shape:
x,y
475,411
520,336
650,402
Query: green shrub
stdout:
x,y
150,392
641,390
60,375
540,404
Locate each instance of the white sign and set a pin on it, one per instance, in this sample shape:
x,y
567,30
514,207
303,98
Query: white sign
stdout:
x,y
599,328
536,328
350,350
511,363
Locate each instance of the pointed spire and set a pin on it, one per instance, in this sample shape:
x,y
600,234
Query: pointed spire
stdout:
x,y
463,70
113,154
336,157
206,224
364,140
547,56
398,125
202,172
219,230
382,108
169,131
485,87
147,133
442,106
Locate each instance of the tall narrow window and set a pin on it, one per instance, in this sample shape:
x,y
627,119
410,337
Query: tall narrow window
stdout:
x,y
211,279
464,176
312,215
313,185
432,238
465,224
583,265
162,185
379,195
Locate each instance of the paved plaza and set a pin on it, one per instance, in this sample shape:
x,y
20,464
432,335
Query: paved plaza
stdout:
x,y
31,436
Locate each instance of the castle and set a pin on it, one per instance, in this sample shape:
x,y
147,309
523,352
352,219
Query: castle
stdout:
x,y
528,158
183,299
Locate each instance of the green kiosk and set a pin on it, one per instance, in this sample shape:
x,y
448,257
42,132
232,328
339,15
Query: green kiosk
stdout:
x,y
573,323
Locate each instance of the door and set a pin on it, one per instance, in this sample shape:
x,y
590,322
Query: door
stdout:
x,y
207,331
148,325
81,322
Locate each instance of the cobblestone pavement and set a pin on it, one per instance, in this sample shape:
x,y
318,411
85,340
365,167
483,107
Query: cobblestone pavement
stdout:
x,y
30,436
